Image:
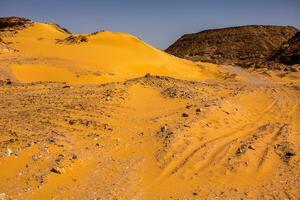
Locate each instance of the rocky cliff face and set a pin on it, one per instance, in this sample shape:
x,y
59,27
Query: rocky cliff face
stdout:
x,y
289,52
247,46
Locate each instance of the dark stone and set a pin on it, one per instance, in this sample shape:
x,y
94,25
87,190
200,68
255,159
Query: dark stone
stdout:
x,y
198,110
148,75
185,115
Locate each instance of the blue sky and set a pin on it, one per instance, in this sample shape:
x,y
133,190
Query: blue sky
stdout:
x,y
158,22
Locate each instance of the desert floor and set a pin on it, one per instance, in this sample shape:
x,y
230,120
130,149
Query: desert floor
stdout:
x,y
184,131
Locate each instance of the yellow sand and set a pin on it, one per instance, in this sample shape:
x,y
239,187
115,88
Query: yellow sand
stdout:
x,y
131,139
112,56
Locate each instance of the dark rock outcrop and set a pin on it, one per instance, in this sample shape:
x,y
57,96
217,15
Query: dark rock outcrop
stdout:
x,y
289,52
247,46
60,28
13,24
73,39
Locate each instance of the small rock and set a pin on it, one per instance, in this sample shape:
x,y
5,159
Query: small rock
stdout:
x,y
198,110
164,128
294,69
60,159
206,105
8,82
239,151
148,75
108,98
51,140
251,147
185,115
74,156
107,127
40,179
66,86
287,156
188,106
8,152
58,170
35,157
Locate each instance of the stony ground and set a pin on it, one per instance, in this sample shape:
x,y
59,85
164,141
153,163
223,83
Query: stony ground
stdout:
x,y
150,138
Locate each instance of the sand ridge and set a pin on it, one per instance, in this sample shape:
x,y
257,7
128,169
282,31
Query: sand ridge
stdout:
x,y
103,56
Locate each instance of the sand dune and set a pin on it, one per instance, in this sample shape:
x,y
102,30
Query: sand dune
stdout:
x,y
102,57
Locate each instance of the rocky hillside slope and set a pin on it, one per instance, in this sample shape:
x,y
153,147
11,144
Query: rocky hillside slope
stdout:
x,y
289,52
246,45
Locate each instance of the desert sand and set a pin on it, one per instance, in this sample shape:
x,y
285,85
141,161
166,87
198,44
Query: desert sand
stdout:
x,y
47,51
107,116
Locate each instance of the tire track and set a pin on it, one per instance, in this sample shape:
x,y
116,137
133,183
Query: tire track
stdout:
x,y
175,165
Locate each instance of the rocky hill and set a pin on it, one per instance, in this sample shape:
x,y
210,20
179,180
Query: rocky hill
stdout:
x,y
289,52
246,45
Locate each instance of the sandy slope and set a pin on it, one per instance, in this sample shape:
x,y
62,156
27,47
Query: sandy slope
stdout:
x,y
105,57
194,132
